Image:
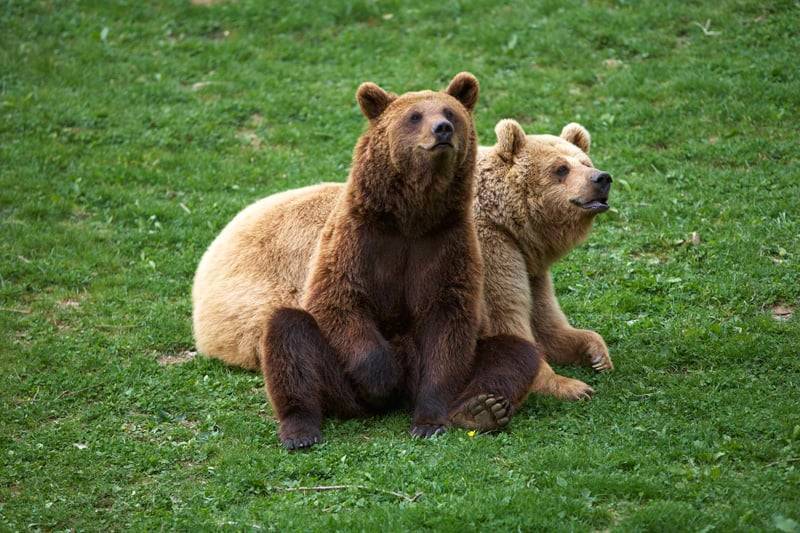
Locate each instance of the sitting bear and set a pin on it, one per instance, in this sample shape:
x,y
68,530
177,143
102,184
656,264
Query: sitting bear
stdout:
x,y
389,307
536,197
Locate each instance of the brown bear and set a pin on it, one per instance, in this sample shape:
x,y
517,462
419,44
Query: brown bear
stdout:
x,y
537,196
529,211
391,306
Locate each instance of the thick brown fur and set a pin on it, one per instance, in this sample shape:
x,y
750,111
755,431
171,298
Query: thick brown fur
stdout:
x,y
391,304
525,223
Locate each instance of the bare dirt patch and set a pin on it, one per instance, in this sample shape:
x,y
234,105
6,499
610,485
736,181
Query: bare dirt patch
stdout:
x,y
782,312
256,119
69,303
250,138
178,358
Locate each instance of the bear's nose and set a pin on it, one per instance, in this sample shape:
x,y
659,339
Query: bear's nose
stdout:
x,y
443,130
602,180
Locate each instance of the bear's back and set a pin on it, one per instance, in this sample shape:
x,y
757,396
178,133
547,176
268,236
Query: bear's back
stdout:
x,y
258,262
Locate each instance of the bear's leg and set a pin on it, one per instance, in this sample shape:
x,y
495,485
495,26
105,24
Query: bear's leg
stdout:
x,y
377,374
303,378
505,366
365,355
444,365
562,343
582,347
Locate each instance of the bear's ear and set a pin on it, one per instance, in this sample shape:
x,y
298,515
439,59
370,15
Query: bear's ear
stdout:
x,y
464,88
577,135
510,137
373,100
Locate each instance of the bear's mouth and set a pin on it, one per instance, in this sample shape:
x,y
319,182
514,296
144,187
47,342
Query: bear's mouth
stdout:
x,y
438,146
596,205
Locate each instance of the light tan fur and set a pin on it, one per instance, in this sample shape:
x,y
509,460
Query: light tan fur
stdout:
x,y
525,223
259,262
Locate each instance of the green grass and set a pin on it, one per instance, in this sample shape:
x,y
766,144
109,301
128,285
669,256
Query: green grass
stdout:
x,y
117,170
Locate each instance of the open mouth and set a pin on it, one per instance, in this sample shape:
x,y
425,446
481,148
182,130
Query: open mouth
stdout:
x,y
598,205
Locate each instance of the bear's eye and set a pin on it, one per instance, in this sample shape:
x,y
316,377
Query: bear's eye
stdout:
x,y
416,116
562,171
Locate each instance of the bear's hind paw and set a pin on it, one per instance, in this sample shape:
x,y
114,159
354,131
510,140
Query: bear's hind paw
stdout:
x,y
565,388
485,412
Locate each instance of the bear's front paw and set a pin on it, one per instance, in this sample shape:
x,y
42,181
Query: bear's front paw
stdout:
x,y
424,431
296,433
595,352
378,373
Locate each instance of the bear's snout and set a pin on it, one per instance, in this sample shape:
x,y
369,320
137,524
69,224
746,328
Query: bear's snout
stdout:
x,y
443,131
602,181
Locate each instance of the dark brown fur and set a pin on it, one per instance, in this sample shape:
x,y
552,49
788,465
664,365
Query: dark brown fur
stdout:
x,y
504,366
392,301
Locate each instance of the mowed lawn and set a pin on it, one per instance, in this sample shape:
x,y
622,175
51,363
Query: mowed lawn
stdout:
x,y
131,132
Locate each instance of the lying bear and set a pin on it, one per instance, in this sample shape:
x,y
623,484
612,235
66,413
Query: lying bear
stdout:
x,y
387,308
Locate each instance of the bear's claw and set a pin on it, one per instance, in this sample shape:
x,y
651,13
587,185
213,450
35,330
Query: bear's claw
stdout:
x,y
601,362
297,434
424,431
299,443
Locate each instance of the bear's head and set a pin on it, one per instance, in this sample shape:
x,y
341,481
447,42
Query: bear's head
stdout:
x,y
419,147
545,186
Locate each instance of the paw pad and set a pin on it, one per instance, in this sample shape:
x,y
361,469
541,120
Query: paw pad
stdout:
x,y
485,412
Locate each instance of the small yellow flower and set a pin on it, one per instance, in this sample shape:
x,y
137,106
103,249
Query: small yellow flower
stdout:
x,y
471,433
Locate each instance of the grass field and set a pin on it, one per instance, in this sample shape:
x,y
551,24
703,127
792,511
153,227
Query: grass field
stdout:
x,y
131,132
